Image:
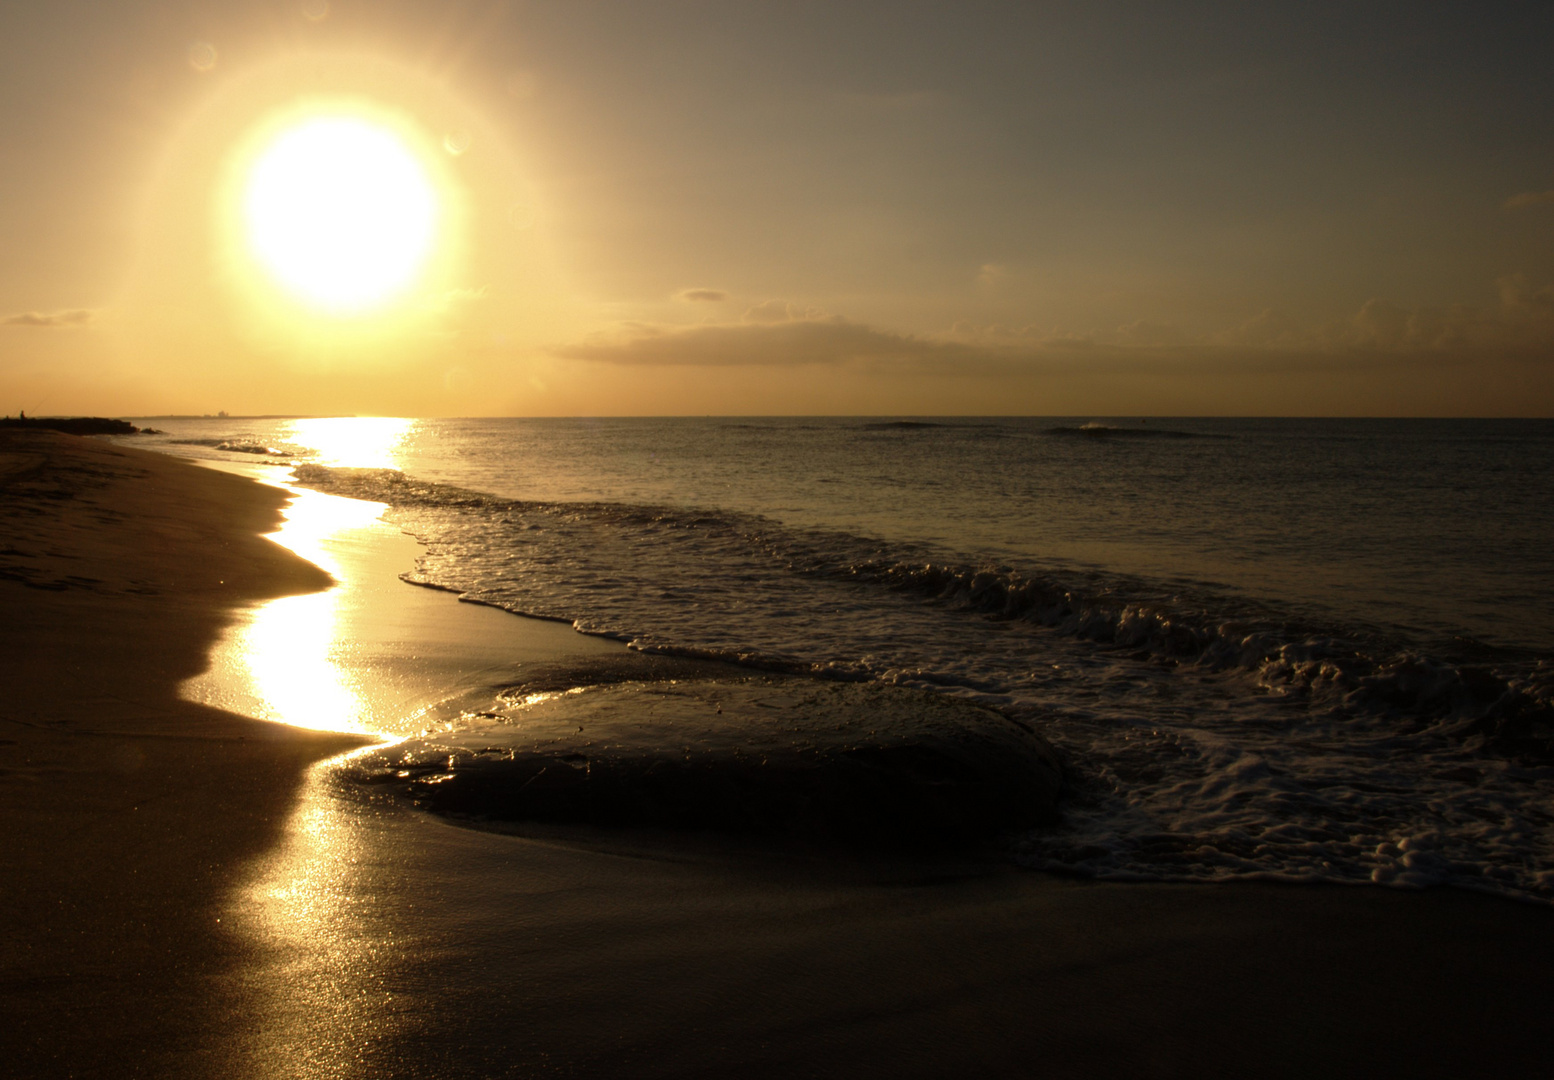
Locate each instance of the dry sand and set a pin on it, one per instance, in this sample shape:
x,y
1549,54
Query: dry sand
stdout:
x,y
186,892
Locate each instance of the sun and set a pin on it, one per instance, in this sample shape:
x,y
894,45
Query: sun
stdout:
x,y
340,214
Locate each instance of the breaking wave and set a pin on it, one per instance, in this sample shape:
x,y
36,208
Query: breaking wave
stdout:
x,y
1211,734
244,446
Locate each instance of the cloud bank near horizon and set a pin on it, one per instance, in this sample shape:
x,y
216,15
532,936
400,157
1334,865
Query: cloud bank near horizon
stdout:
x,y
777,333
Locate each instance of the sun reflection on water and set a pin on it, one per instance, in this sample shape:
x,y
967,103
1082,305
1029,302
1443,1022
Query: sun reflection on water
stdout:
x,y
355,442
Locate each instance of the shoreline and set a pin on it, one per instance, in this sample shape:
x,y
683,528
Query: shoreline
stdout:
x,y
361,938
128,811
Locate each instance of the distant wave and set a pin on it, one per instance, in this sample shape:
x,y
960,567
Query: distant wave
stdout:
x,y
901,425
1112,431
242,446
771,427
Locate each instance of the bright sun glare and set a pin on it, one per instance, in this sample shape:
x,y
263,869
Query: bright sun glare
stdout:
x,y
340,213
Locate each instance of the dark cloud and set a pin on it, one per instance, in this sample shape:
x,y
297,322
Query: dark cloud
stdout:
x,y
1380,324
776,333
1523,323
837,343
1144,333
708,295
71,317
1528,198
788,342
780,311
1267,329
834,341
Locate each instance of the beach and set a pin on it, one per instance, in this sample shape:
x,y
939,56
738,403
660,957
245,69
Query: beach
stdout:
x,y
189,891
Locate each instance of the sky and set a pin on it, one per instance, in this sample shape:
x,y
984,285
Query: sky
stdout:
x,y
667,208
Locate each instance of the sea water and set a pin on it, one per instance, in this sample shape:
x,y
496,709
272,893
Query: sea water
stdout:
x,y
1296,649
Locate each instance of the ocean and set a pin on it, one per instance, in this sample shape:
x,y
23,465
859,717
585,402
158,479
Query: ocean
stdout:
x,y
1312,650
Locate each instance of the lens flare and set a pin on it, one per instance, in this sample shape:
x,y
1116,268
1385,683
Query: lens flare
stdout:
x,y
202,56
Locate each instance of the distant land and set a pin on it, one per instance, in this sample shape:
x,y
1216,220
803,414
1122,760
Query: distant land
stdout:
x,y
71,425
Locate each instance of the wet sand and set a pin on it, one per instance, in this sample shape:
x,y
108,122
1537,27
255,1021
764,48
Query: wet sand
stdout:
x,y
187,892
127,811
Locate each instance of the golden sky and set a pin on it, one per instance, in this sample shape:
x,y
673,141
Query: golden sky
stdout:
x,y
777,208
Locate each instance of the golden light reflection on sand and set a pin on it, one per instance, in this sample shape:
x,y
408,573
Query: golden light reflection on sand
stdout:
x,y
283,661
320,997
305,911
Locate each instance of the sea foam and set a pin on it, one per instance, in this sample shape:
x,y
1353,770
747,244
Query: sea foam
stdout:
x,y
1209,736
